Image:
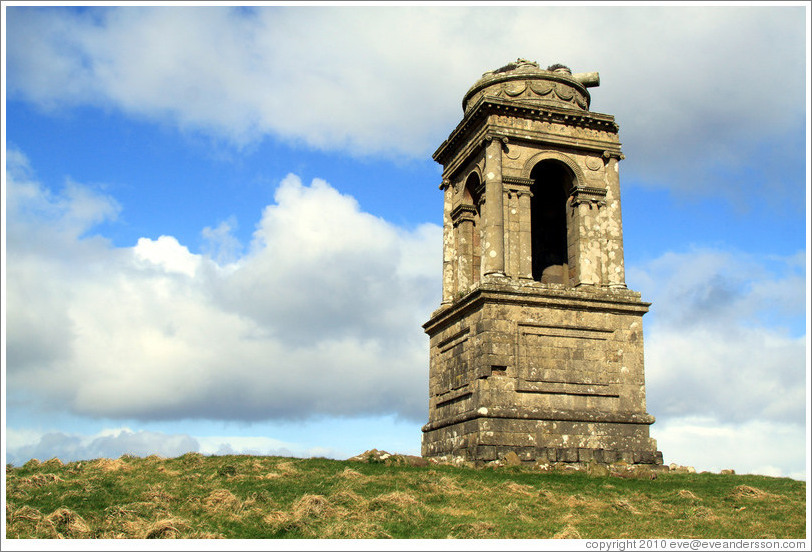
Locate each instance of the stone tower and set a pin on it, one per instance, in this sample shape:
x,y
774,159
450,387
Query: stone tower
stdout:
x,y
537,346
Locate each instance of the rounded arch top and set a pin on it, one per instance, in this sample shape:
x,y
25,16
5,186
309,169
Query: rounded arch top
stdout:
x,y
471,182
549,155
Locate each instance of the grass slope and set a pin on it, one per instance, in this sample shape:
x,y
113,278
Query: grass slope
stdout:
x,y
257,497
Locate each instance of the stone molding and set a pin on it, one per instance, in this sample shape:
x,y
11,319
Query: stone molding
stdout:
x,y
525,81
545,155
487,106
592,298
462,213
517,180
514,185
519,413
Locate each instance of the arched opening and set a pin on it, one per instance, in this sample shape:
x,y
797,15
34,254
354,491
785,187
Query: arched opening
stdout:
x,y
471,197
548,217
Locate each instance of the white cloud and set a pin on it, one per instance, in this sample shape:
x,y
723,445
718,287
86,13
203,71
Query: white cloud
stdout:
x,y
111,443
756,446
23,445
260,446
167,253
220,244
725,337
682,80
726,359
321,317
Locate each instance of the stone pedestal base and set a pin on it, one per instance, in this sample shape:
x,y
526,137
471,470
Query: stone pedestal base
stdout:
x,y
484,439
550,373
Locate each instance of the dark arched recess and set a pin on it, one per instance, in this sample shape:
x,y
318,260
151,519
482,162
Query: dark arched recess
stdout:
x,y
552,181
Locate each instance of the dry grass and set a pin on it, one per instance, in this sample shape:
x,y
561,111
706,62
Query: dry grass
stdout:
x,y
515,511
26,514
455,511
40,480
396,498
167,472
311,506
746,491
475,530
347,497
156,493
443,485
623,505
685,493
192,459
518,489
193,497
702,512
108,465
342,529
68,523
167,528
287,468
276,518
222,500
568,532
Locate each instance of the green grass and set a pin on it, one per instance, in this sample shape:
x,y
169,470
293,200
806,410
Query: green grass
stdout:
x,y
258,497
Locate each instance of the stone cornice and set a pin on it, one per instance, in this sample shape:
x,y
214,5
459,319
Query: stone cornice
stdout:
x,y
517,180
595,299
529,413
494,106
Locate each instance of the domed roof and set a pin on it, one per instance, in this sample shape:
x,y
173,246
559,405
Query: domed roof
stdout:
x,y
525,82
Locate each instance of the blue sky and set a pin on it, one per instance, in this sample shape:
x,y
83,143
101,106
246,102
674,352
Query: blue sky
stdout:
x,y
230,245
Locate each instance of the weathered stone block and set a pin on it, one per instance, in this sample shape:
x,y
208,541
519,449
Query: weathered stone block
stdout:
x,y
585,455
644,457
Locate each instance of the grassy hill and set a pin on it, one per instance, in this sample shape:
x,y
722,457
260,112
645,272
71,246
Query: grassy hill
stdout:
x,y
255,497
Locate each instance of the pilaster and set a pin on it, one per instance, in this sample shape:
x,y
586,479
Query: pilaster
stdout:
x,y
493,248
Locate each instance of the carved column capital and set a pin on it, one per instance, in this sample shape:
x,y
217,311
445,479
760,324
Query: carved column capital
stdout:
x,y
589,195
495,137
463,213
516,185
610,154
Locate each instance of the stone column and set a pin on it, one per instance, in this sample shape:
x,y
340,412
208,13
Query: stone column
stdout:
x,y
525,236
588,269
464,231
509,229
613,230
448,245
493,248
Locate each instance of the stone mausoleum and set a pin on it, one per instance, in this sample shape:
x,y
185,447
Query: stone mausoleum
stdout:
x,y
537,347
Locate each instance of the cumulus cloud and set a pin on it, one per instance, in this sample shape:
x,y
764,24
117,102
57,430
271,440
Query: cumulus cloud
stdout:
x,y
321,317
726,359
389,80
726,336
106,444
